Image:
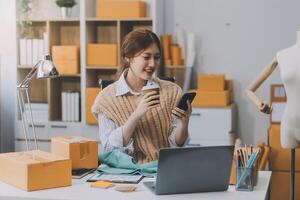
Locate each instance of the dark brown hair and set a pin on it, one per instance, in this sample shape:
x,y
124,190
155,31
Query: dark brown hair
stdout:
x,y
134,42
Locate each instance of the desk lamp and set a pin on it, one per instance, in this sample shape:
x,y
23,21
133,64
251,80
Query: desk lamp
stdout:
x,y
44,68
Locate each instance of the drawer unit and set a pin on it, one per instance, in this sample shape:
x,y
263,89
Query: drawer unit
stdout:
x,y
41,130
212,125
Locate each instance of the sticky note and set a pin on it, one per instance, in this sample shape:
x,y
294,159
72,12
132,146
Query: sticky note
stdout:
x,y
125,188
101,184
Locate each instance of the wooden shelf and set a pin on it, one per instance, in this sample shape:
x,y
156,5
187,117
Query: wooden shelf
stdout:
x,y
116,20
25,67
64,20
50,20
72,75
101,68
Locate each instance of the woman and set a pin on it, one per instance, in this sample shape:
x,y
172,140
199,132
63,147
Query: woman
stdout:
x,y
138,121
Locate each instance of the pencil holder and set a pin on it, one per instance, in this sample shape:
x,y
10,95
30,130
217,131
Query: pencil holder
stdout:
x,y
245,178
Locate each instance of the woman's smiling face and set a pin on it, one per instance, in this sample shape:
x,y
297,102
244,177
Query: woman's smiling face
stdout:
x,y
145,63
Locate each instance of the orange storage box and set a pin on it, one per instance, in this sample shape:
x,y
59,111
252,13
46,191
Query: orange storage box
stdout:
x,y
35,170
66,59
211,99
280,158
91,94
211,82
83,152
280,186
104,55
121,9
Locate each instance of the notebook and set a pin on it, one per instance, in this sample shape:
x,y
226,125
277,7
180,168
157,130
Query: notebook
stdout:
x,y
116,178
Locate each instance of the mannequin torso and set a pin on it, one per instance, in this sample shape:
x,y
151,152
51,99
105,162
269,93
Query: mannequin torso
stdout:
x,y
289,64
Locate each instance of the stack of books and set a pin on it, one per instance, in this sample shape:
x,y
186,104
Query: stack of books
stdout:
x,y
39,111
70,106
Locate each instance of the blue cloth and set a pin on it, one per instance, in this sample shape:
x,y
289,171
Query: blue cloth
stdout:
x,y
117,162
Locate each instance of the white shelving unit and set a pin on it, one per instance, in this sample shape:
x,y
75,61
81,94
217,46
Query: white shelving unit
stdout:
x,y
49,91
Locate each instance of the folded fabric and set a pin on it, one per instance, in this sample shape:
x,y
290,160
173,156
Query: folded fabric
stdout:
x,y
117,162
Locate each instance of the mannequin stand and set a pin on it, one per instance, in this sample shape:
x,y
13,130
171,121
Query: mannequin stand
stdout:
x,y
292,194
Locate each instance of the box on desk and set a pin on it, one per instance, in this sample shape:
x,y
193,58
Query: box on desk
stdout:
x,y
120,9
280,157
101,55
66,59
91,94
83,152
211,82
212,99
35,170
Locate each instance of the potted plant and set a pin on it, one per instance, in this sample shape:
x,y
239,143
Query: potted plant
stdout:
x,y
24,23
66,6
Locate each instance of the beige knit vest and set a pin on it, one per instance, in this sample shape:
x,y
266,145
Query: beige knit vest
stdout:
x,y
153,128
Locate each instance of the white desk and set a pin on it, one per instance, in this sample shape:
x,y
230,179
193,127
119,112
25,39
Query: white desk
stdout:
x,y
82,190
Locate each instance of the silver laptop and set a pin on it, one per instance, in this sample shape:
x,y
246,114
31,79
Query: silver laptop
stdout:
x,y
192,169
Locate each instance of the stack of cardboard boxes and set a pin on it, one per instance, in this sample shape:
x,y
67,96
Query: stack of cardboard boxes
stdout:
x,y
280,159
172,52
213,91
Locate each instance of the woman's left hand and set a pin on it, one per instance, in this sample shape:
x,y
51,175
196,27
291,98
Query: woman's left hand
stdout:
x,y
182,114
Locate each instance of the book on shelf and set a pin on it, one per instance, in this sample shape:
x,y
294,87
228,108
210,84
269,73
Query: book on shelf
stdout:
x,y
32,50
39,111
22,51
46,43
70,101
29,51
35,53
37,106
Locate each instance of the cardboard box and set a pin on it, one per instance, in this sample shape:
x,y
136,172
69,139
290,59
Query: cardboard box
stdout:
x,y
278,102
35,170
278,93
211,82
66,59
280,158
121,9
67,67
280,186
103,55
83,152
211,99
91,94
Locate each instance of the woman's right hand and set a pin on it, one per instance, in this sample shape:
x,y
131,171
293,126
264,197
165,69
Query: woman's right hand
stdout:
x,y
148,101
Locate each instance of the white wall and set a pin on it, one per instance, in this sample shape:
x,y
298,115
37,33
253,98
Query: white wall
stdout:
x,y
7,74
238,38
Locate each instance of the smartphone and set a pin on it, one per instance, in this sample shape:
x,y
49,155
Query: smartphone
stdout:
x,y
183,101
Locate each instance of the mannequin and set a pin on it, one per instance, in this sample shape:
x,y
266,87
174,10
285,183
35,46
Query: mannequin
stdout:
x,y
288,61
